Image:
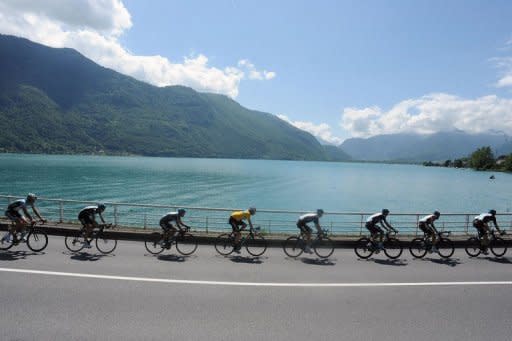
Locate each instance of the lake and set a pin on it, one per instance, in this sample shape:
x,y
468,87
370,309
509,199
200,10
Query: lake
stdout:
x,y
265,184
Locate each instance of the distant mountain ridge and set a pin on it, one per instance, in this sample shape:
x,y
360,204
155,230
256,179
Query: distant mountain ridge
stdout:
x,y
418,148
58,101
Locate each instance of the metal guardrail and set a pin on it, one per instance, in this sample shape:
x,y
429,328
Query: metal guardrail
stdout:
x,y
205,219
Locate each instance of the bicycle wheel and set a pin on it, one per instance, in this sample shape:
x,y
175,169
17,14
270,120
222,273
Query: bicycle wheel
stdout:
x,y
445,247
473,247
75,241
293,246
224,244
364,248
186,244
6,242
418,248
392,248
498,247
256,245
105,245
153,243
37,240
323,247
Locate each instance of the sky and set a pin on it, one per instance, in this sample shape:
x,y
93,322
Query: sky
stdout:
x,y
337,69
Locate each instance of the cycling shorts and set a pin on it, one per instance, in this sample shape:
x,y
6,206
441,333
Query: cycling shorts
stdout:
x,y
235,224
86,218
480,227
374,229
427,230
13,215
304,227
167,226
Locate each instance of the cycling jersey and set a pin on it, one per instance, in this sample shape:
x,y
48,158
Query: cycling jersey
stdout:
x,y
241,215
486,218
309,218
86,215
375,218
167,219
17,205
428,219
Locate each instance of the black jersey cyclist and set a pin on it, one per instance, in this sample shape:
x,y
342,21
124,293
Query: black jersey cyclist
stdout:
x,y
236,220
17,212
481,223
426,224
168,221
302,225
87,217
377,223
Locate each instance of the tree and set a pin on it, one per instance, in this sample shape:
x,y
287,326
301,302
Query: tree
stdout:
x,y
507,164
482,159
458,163
447,163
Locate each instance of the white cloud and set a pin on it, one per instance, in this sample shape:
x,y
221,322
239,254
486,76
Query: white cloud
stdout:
x,y
93,28
322,130
429,114
504,64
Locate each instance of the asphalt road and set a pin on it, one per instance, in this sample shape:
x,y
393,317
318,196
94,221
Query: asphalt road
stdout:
x,y
131,295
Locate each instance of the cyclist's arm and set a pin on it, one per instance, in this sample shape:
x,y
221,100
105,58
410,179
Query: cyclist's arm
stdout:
x,y
181,223
433,227
38,214
27,214
387,225
496,224
318,227
250,223
101,217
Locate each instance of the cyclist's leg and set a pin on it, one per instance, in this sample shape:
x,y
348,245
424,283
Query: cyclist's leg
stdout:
x,y
485,237
236,230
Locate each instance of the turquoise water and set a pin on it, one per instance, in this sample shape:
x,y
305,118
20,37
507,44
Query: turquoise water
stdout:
x,y
287,185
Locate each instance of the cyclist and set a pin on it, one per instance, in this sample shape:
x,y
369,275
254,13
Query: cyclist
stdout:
x,y
17,212
426,224
166,223
236,220
372,224
481,223
87,217
302,224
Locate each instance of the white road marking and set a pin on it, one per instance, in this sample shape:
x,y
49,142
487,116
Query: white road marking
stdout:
x,y
252,284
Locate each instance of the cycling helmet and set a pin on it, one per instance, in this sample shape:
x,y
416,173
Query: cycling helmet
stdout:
x,y
252,210
437,214
320,212
31,197
101,207
181,212
385,211
493,212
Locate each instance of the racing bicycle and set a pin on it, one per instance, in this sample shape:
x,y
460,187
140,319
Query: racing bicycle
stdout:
x,y
254,243
75,242
322,245
366,247
36,238
186,244
420,246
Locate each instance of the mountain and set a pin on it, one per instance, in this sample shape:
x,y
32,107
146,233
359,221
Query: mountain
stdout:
x,y
417,147
58,101
334,153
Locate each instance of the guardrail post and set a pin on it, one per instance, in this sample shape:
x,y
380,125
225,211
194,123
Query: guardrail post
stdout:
x,y
467,223
9,200
61,211
269,223
206,224
362,222
145,220
331,228
417,222
115,215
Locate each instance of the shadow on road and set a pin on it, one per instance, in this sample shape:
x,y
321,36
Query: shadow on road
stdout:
x,y
172,258
393,262
246,260
449,261
317,261
87,257
18,254
499,260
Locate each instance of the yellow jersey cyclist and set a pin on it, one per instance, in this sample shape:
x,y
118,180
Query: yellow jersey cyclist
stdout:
x,y
87,217
168,221
481,223
426,224
236,220
17,212
302,224
376,224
